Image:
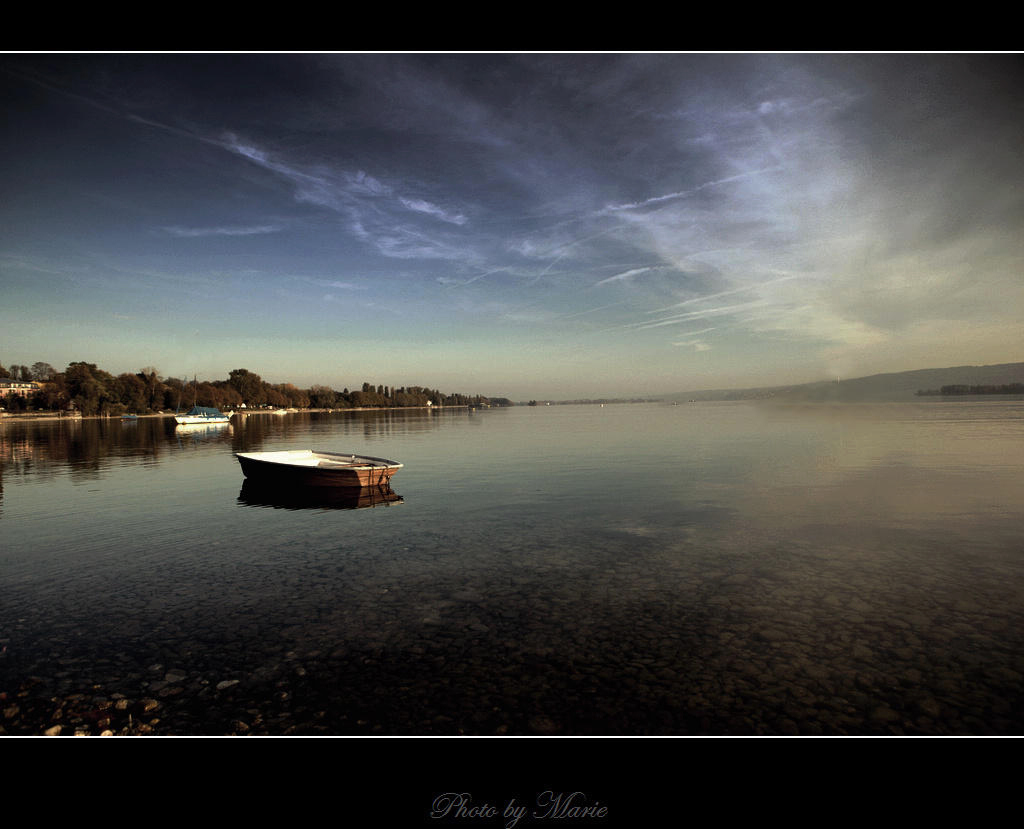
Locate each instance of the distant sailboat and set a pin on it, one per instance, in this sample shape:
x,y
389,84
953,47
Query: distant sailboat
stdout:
x,y
200,414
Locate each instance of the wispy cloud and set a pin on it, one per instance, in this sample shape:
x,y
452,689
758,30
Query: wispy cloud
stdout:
x,y
371,206
696,342
678,319
696,345
667,197
719,294
619,277
412,243
339,284
190,232
360,182
590,311
421,206
447,280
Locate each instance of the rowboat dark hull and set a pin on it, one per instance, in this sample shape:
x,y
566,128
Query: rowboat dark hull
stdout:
x,y
317,469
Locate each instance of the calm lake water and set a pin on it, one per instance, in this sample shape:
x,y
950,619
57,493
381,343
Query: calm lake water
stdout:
x,y
640,569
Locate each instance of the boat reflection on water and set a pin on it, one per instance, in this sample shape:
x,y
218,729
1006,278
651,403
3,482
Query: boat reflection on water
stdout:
x,y
202,431
255,494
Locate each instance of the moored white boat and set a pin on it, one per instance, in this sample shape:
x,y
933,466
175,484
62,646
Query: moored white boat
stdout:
x,y
306,467
201,414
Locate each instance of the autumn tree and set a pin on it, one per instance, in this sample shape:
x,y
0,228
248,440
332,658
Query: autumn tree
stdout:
x,y
322,397
250,386
131,392
154,387
43,372
91,390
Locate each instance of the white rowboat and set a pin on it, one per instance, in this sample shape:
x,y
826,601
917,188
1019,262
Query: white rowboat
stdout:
x,y
305,467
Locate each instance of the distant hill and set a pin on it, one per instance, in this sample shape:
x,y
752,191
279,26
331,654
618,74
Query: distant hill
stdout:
x,y
877,388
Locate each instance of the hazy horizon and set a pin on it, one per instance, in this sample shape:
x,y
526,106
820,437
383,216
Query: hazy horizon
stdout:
x,y
526,226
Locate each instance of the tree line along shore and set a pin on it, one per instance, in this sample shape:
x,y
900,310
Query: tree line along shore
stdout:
x,y
961,389
84,389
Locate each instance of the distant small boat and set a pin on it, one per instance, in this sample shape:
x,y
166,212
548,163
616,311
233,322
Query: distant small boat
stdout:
x,y
201,414
304,467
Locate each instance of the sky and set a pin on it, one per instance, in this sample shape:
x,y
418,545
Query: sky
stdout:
x,y
551,226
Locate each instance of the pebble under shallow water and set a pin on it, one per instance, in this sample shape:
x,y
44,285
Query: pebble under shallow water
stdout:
x,y
721,637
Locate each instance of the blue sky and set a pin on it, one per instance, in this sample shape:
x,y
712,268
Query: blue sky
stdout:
x,y
520,225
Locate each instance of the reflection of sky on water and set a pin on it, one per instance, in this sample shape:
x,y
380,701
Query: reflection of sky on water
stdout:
x,y
712,568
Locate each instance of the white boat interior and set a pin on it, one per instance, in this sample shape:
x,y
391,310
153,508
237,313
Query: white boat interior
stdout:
x,y
307,457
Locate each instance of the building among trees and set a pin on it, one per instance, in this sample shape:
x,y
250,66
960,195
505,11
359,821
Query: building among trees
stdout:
x,y
20,387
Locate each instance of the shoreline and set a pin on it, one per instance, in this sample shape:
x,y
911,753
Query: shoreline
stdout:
x,y
36,416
